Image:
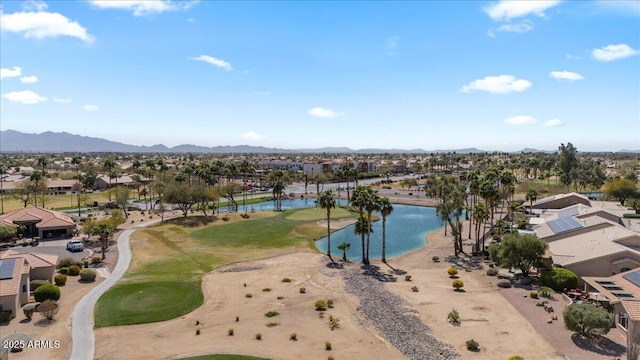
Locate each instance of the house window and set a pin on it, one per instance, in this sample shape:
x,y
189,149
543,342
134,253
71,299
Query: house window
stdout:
x,y
623,321
24,288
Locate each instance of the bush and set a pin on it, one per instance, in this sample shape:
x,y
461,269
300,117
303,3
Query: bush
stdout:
x,y
321,305
327,346
587,320
454,317
504,283
559,279
230,332
452,271
29,309
516,358
85,263
286,280
457,284
258,336
271,314
5,316
47,292
64,270
533,294
293,336
35,284
545,291
472,345
407,278
272,324
88,274
303,290
96,260
492,271
334,323
414,289
436,258
60,279
330,304
266,289
74,270
66,262
248,296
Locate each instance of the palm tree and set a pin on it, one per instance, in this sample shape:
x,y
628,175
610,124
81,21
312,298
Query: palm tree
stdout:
x,y
344,247
245,168
531,197
3,169
77,160
328,202
372,204
36,176
358,199
43,161
480,216
385,209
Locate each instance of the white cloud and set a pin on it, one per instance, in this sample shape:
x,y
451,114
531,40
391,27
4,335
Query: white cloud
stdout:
x,y
34,5
520,28
626,7
143,7
91,107
572,57
566,75
614,52
520,120
252,135
553,122
24,97
507,10
29,79
13,72
324,113
61,100
213,61
42,24
502,84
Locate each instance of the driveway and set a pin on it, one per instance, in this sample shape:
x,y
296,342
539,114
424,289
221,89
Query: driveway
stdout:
x,y
83,339
53,247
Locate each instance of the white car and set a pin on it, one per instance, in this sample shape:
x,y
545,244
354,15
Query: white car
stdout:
x,y
75,245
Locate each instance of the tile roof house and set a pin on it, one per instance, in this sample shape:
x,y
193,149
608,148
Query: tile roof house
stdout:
x,y
14,284
40,222
561,201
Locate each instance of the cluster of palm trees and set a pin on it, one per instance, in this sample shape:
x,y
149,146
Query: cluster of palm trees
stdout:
x,y
365,200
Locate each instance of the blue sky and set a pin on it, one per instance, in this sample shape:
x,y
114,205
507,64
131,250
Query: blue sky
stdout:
x,y
496,75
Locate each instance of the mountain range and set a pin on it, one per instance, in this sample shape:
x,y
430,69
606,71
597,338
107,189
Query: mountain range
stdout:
x,y
12,141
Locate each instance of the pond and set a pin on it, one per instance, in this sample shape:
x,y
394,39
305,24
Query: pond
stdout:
x,y
406,230
285,204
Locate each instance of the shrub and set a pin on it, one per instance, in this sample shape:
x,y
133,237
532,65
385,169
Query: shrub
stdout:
x,y
248,296
587,320
414,289
266,289
407,278
88,274
5,316
230,332
272,324
330,304
85,263
47,292
472,345
504,283
303,290
64,270
60,279
516,358
35,284
457,284
334,323
286,280
271,314
74,270
321,305
533,294
29,309
492,271
559,279
48,309
280,297
436,259
327,346
258,336
65,262
454,317
96,260
545,291
293,336
452,271
80,263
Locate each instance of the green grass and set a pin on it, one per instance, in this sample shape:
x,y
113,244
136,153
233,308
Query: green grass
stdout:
x,y
223,357
145,302
315,214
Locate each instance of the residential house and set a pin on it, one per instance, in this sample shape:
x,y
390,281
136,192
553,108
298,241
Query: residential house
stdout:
x,y
40,222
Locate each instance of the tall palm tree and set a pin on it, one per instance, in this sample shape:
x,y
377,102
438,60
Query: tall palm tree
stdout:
x,y
385,210
36,176
358,199
43,162
531,197
328,202
480,216
372,204
245,168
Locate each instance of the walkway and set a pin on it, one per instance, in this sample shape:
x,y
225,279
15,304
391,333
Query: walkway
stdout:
x,y
83,339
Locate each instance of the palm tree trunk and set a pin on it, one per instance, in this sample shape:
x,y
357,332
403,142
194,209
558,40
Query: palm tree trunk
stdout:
x,y
384,240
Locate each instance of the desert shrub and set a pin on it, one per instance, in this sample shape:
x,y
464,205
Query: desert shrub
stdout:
x,y
258,336
230,332
35,284
96,260
454,317
472,345
334,323
303,290
47,292
436,258
280,297
85,263
271,314
407,278
74,270
80,263
286,280
414,289
65,262
5,316
545,291
452,271
237,318
266,289
321,305
29,309
64,270
587,320
533,294
492,271
88,274
559,279
330,304
327,346
197,331
516,358
60,279
457,284
248,296
504,283
272,324
494,252
48,309
293,336
330,358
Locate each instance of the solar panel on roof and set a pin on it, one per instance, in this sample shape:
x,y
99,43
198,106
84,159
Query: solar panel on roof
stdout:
x,y
564,224
6,268
634,277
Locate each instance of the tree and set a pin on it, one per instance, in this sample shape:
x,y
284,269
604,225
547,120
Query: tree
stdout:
x,y
531,196
109,163
362,226
480,216
587,319
280,180
36,177
24,191
522,252
385,210
567,162
372,204
43,162
344,247
621,189
328,202
76,160
48,309
105,231
122,198
7,232
183,195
